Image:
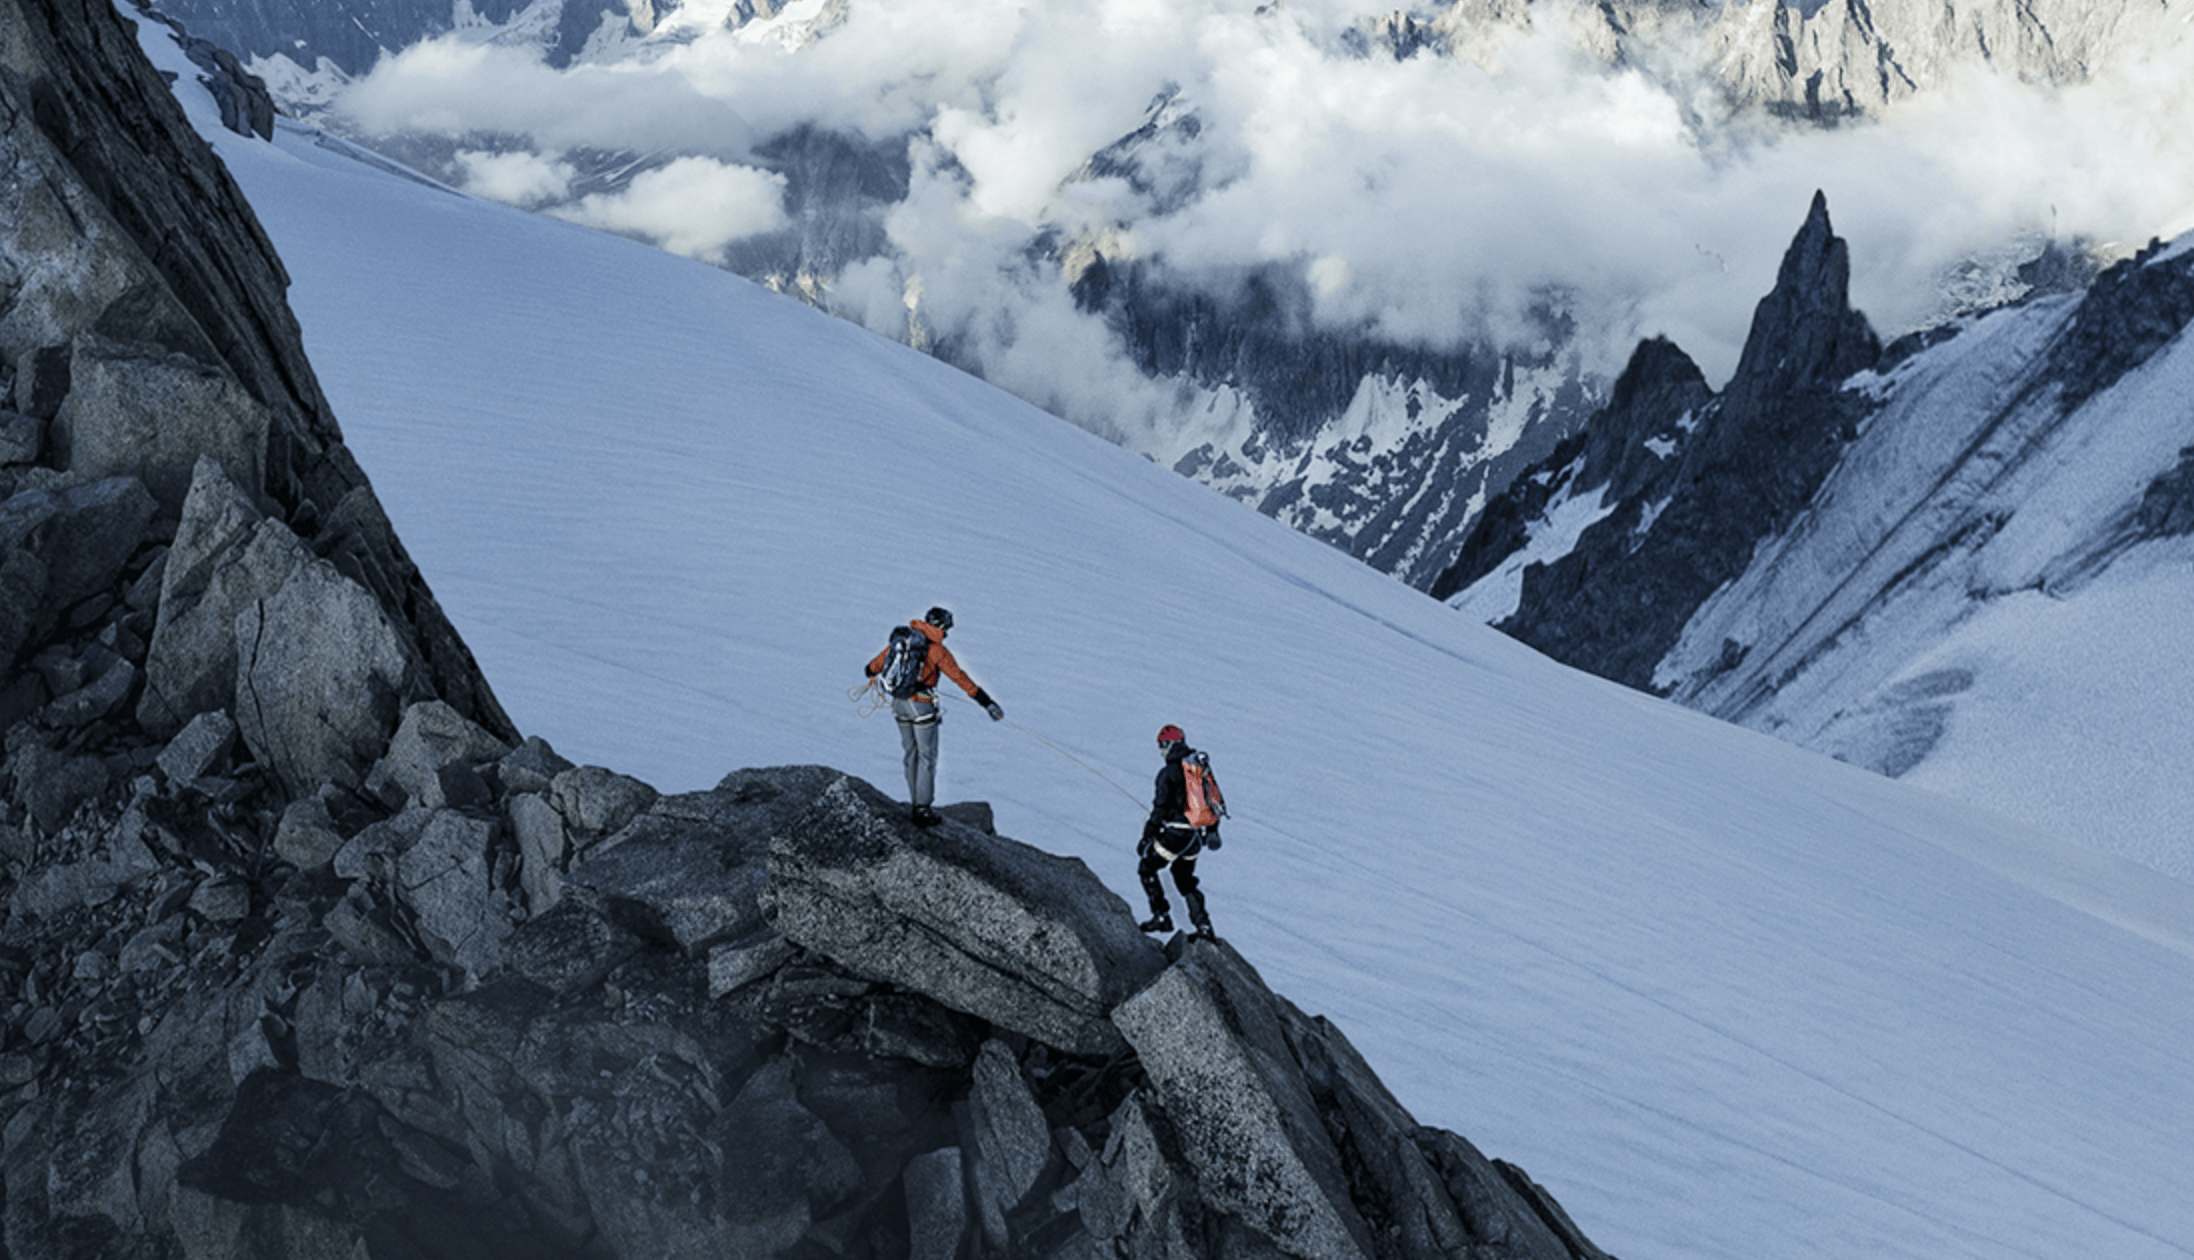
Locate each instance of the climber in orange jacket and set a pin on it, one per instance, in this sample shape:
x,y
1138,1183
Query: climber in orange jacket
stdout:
x,y
912,683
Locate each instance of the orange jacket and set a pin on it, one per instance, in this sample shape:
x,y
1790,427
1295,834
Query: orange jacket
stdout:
x,y
938,659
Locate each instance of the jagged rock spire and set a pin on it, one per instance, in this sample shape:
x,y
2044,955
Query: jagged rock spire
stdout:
x,y
1693,481
1804,332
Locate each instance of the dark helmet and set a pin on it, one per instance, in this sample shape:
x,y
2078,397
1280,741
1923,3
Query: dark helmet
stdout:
x,y
1171,735
939,617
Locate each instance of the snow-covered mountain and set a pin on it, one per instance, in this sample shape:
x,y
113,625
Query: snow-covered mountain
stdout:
x,y
1962,560
1723,996
1352,269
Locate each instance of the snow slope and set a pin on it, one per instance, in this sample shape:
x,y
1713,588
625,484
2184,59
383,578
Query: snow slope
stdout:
x,y
1723,997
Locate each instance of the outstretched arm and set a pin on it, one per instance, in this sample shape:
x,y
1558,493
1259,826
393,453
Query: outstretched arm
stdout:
x,y
942,657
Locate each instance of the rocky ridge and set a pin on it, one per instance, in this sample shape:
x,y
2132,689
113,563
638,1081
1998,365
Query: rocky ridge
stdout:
x,y
499,1005
306,952
1823,62
1695,479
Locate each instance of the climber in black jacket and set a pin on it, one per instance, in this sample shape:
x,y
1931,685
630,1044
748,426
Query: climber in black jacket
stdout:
x,y
1181,825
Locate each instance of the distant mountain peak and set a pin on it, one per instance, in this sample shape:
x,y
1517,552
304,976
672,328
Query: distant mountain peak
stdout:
x,y
1693,481
1805,330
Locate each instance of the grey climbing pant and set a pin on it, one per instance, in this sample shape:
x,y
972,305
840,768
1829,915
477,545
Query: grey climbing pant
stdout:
x,y
918,718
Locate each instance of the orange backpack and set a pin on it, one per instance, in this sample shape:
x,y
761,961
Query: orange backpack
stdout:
x,y
1206,803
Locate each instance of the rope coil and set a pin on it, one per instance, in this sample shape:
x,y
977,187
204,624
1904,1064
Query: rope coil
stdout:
x,y
868,707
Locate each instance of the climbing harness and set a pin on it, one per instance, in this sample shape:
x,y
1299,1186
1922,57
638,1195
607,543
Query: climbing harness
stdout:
x,y
882,699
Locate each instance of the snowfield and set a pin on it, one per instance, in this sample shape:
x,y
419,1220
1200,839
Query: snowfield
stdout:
x,y
1723,997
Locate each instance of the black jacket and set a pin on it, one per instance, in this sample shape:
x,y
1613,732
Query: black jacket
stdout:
x,y
1169,799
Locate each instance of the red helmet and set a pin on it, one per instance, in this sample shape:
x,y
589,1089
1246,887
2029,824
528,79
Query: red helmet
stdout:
x,y
1171,735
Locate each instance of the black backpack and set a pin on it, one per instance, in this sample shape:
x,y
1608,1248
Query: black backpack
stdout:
x,y
901,676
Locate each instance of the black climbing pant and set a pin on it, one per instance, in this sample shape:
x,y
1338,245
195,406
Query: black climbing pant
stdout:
x,y
1184,879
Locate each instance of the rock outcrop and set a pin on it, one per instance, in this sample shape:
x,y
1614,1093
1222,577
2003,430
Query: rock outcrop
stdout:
x,y
305,952
772,1018
143,326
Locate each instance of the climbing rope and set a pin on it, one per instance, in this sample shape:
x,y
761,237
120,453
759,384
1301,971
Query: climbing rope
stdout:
x,y
1259,823
1138,802
872,698
1132,798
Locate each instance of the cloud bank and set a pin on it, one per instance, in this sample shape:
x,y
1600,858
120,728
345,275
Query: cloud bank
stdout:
x,y
1432,201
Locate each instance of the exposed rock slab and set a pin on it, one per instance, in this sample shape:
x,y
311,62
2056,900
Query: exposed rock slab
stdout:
x,y
58,547
691,870
321,677
991,927
139,411
436,754
225,555
1213,1041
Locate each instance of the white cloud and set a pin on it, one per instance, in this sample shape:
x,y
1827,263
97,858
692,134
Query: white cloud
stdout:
x,y
527,180
694,206
1431,200
451,86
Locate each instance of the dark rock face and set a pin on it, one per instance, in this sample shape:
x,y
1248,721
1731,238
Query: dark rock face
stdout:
x,y
108,307
2133,310
1697,480
1660,392
304,953
392,1053
1805,338
2167,506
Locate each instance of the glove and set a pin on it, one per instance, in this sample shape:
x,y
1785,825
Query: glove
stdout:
x,y
1211,839
996,714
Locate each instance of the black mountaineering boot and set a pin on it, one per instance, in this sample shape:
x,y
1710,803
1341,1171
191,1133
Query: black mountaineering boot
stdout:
x,y
924,816
1161,922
